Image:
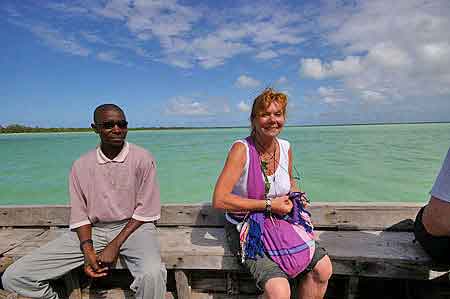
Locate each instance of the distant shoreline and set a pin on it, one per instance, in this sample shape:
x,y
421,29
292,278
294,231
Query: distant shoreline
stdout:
x,y
24,129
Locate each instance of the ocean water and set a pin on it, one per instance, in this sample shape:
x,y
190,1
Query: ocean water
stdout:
x,y
363,163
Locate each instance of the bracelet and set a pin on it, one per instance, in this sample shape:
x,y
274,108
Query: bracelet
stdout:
x,y
85,242
268,206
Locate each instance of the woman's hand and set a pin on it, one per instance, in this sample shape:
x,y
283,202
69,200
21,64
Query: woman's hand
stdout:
x,y
281,205
304,200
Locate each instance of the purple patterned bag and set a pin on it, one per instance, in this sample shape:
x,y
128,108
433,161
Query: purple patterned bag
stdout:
x,y
290,241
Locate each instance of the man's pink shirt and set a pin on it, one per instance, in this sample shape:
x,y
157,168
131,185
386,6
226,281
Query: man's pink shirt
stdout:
x,y
104,190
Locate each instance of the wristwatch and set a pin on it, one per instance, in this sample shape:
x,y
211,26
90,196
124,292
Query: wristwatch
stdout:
x,y
268,205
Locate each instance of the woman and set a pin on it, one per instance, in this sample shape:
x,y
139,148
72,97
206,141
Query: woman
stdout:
x,y
232,195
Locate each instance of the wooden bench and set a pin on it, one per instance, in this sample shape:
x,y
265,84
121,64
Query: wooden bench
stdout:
x,y
362,241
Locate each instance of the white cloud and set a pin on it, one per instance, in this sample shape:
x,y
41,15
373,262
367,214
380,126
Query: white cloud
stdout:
x,y
92,38
403,50
108,57
160,18
245,81
388,56
282,80
330,95
243,107
67,8
191,35
56,40
197,105
212,51
312,68
315,68
372,96
269,54
435,57
187,106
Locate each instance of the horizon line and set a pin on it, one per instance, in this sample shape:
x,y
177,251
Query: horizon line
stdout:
x,y
224,127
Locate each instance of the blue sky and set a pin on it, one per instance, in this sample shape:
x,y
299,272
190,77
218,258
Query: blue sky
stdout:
x,y
200,63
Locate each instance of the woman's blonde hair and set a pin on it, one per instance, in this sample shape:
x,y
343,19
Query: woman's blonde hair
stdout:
x,y
262,101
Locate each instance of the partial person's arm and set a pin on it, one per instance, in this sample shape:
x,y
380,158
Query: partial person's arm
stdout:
x,y
223,198
435,216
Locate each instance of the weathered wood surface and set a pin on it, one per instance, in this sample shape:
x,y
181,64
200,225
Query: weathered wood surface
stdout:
x,y
363,241
357,253
126,294
348,216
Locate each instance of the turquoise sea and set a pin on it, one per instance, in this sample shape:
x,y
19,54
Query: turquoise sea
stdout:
x,y
365,163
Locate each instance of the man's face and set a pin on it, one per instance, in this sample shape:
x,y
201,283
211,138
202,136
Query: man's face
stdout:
x,y
111,126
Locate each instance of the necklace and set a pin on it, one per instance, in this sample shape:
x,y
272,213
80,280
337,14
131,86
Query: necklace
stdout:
x,y
262,153
264,166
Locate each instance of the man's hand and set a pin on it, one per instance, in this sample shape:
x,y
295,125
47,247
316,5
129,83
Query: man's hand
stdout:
x,y
108,256
92,268
281,205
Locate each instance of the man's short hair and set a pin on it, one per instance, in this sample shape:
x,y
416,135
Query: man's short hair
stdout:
x,y
105,107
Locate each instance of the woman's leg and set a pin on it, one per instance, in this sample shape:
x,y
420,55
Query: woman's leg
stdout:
x,y
267,274
277,288
314,284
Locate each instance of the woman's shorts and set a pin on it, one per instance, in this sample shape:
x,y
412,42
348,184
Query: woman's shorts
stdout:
x,y
262,269
438,248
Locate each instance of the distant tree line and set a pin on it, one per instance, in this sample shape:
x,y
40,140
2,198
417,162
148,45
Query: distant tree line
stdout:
x,y
16,128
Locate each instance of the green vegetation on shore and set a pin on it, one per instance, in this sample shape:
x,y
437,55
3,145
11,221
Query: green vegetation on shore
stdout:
x,y
16,128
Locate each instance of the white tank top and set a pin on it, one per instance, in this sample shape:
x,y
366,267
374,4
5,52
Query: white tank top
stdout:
x,y
280,183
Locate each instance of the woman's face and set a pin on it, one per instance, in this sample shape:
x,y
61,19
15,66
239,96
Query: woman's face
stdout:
x,y
269,122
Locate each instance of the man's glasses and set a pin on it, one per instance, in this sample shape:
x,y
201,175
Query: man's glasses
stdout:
x,y
123,124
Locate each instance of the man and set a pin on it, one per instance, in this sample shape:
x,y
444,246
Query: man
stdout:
x,y
114,198
432,225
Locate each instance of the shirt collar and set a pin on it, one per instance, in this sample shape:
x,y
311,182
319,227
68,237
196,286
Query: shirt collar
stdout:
x,y
102,159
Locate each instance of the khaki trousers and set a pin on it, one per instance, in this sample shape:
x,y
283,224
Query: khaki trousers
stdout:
x,y
30,275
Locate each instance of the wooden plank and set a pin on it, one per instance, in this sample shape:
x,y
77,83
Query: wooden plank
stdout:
x,y
221,296
34,215
348,216
116,294
6,295
358,253
5,262
362,216
352,287
72,285
182,284
219,282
